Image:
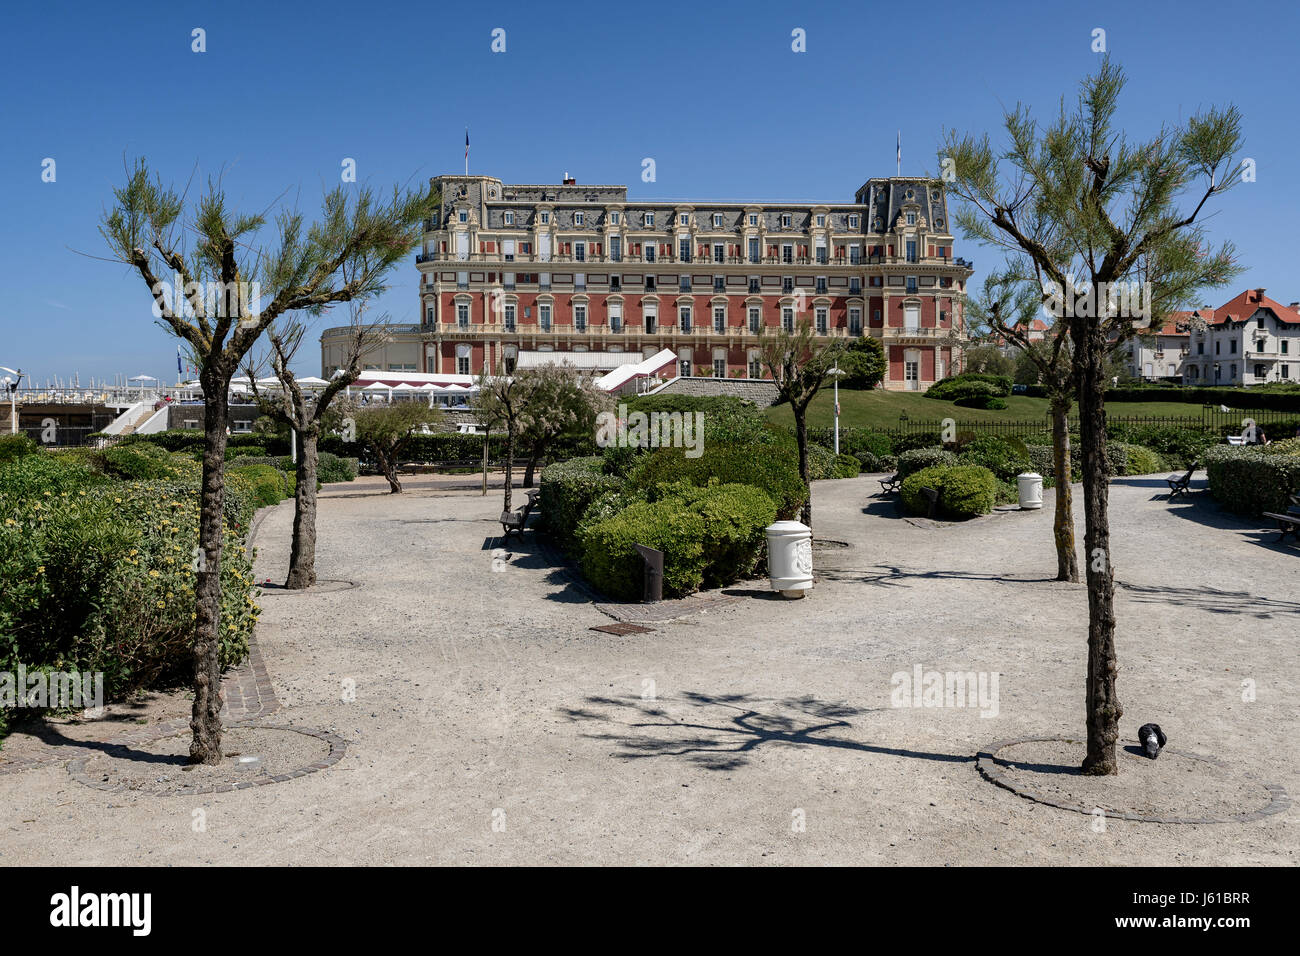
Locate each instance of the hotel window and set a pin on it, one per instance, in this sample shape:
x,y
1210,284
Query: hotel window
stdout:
x,y
649,283
615,283
855,254
546,218
875,315
853,222
821,252
462,314
911,285
580,318
649,252
755,317
855,285
787,319
579,219
430,315
911,219
462,280
821,219
544,317
787,284
462,360
580,251
911,250
684,250
753,284
822,321
508,250
753,250
1232,347
684,219
1285,370
616,316
719,284
614,218
755,366
719,368
717,220
651,319
855,321
785,221
753,219
821,285
615,249
580,280
463,216
684,317
649,219
719,318
509,219
1283,346
787,253
510,317
684,284
543,280
719,251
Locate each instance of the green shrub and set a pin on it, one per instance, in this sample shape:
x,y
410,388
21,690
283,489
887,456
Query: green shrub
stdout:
x,y
144,461
710,536
903,443
1251,480
13,447
269,485
821,462
1126,459
774,469
47,474
1005,457
914,460
568,488
101,579
846,466
877,463
332,468
854,441
965,491
970,385
1179,447
245,451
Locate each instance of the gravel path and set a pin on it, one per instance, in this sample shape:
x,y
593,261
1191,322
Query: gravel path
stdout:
x,y
487,724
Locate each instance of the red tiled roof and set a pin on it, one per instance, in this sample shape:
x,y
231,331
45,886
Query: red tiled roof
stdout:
x,y
1244,305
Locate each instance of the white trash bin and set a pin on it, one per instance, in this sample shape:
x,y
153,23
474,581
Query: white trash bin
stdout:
x,y
789,558
1031,490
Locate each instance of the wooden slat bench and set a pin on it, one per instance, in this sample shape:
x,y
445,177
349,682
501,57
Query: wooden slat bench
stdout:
x,y
515,522
1178,484
1289,521
890,485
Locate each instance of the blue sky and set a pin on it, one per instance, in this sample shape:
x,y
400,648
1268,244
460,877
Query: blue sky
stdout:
x,y
712,91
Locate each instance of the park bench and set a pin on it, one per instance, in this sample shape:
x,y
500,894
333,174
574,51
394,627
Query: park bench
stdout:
x,y
1288,522
514,522
890,485
1178,484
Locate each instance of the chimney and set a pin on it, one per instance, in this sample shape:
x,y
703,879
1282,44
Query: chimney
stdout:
x,y
1294,306
1259,295
569,180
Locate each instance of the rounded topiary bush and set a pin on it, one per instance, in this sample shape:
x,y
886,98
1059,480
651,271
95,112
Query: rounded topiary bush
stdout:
x,y
568,488
910,490
821,462
773,468
846,466
1005,457
965,491
913,461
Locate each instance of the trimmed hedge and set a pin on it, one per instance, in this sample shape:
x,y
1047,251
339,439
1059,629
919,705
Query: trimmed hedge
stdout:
x,y
913,461
99,576
709,536
774,469
970,388
1178,446
965,491
144,461
821,463
1251,480
13,447
846,466
854,440
1005,457
267,484
568,488
1127,459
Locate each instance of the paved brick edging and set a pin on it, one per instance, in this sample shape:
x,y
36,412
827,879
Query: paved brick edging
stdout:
x,y
986,761
338,747
249,696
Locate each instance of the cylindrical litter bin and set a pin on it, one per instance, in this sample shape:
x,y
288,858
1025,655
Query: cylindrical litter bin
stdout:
x,y
1031,490
789,558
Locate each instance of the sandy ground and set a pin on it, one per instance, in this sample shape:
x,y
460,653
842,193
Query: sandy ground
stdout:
x,y
487,724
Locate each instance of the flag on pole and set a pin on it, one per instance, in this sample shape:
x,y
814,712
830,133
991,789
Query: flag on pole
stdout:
x,y
466,150
898,152
180,369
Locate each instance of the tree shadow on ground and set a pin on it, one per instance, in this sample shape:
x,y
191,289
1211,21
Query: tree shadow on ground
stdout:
x,y
883,575
1213,600
729,728
51,736
1205,511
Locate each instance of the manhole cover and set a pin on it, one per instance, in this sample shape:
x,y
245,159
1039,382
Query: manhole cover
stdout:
x,y
622,629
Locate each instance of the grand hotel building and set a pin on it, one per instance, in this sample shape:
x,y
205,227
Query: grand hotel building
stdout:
x,y
513,276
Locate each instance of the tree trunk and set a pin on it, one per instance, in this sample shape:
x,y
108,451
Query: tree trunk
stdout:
x,y
510,455
538,452
801,436
387,463
1102,703
205,715
1067,561
302,555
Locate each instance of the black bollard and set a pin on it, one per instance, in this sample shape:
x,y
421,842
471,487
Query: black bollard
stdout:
x,y
654,574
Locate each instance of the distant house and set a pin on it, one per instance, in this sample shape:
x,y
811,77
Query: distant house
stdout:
x,y
1249,340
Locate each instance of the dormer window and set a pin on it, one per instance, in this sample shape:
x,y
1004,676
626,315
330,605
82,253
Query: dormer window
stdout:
x,y
911,219
509,219
717,220
546,218
579,218
462,216
649,219
684,219
613,218
821,219
785,220
853,221
753,219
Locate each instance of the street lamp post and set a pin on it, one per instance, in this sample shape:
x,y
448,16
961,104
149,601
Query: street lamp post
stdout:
x,y
13,395
836,373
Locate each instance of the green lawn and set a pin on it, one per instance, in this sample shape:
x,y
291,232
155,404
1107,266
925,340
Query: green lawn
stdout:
x,y
880,409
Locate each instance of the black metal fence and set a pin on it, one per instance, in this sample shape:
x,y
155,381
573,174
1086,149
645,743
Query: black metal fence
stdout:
x,y
58,436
